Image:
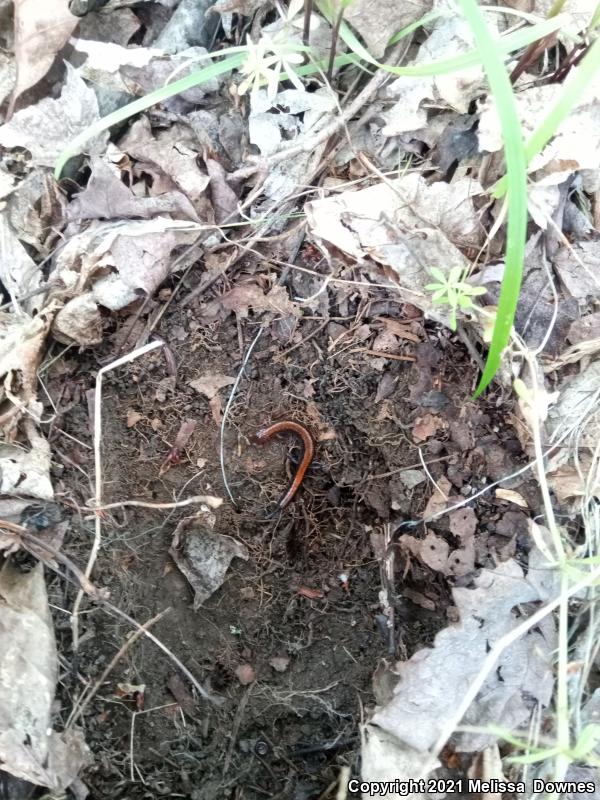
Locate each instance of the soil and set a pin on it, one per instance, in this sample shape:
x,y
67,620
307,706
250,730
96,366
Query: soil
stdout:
x,y
291,640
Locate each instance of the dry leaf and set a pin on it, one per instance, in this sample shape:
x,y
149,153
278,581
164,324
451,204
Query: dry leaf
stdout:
x,y
246,295
8,79
524,672
146,79
279,663
181,693
385,758
400,329
19,274
29,748
47,126
374,21
576,394
426,426
412,477
450,36
133,417
406,225
224,199
578,267
41,31
78,321
245,674
171,157
575,146
190,24
25,470
585,329
418,599
119,27
210,383
568,483
439,499
107,197
311,593
137,253
202,555
110,57
433,551
463,522
512,497
21,343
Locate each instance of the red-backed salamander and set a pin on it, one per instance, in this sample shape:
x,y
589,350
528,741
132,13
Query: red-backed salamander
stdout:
x,y
307,456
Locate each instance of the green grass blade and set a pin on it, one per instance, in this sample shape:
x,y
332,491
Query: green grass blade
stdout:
x,y
505,44
595,19
516,171
75,146
414,25
573,90
237,55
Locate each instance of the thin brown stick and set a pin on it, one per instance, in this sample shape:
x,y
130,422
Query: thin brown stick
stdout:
x,y
308,7
382,354
335,35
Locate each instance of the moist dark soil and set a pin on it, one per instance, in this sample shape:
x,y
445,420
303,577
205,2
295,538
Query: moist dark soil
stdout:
x,y
291,640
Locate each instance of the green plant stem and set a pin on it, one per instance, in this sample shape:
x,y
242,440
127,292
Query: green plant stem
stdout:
x,y
517,187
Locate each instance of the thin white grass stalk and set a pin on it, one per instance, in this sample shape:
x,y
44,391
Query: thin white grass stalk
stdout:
x,y
591,521
134,715
342,782
98,471
430,476
228,407
499,647
561,763
539,456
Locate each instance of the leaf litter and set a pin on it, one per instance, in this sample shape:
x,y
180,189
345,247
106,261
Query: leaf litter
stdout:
x,y
171,177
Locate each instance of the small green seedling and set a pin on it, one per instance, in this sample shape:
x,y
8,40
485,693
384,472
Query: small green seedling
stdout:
x,y
454,291
584,749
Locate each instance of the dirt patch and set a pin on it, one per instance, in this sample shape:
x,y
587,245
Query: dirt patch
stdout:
x,y
292,638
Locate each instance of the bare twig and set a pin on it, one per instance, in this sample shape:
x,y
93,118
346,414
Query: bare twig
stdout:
x,y
205,499
308,7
